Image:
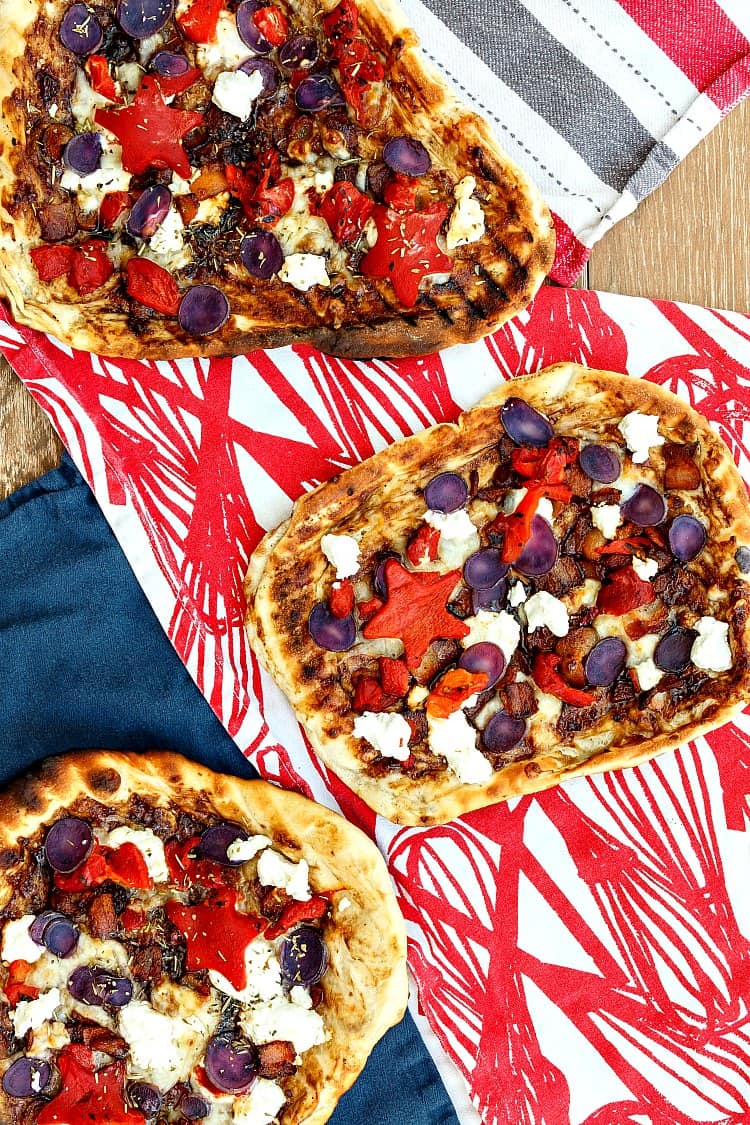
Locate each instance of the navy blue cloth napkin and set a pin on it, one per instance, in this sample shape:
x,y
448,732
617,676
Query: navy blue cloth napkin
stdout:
x,y
84,663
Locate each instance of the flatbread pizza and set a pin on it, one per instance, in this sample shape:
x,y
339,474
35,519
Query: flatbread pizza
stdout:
x,y
208,178
556,584
179,945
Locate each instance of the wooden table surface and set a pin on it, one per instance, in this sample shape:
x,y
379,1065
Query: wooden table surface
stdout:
x,y
688,242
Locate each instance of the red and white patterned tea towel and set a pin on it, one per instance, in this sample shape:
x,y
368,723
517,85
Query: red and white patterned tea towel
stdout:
x,y
598,100
582,956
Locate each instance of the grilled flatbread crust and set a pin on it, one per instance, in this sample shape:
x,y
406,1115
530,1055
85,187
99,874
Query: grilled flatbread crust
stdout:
x,y
381,500
365,985
492,279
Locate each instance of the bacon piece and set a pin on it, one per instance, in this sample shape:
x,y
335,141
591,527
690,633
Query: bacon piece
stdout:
x,y
441,653
102,916
564,575
518,699
276,1059
680,469
573,650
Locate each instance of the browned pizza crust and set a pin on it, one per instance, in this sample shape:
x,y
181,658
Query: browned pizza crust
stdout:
x,y
381,501
491,281
365,985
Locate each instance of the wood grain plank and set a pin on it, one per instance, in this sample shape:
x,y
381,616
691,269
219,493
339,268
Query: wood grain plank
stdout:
x,y
689,240
29,445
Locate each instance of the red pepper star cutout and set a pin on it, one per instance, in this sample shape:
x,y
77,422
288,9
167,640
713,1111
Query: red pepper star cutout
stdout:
x,y
88,1096
150,131
406,250
415,610
217,934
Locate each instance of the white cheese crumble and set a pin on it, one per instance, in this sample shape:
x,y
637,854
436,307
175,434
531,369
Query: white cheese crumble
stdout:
x,y
30,1014
607,518
168,238
235,91
545,609
261,1105
387,732
467,218
711,650
48,1039
275,870
499,629
85,101
641,434
292,1018
263,975
18,945
342,552
645,568
129,76
648,674
303,271
548,707
225,51
211,209
516,594
299,231
455,738
240,851
163,1049
148,844
343,904
459,537
417,695
109,176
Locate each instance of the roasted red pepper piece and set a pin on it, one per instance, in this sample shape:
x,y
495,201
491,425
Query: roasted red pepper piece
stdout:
x,y
369,695
624,590
272,23
263,196
185,870
546,675
346,210
516,526
400,193
15,987
88,1096
124,865
341,24
152,285
368,608
627,546
358,68
394,676
546,463
52,261
91,267
341,599
177,83
295,912
452,689
423,547
100,78
198,22
150,131
416,610
406,249
217,934
114,204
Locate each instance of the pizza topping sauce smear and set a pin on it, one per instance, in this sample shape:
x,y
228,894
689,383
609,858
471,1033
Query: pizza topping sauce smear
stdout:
x,y
212,141
158,976
561,588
